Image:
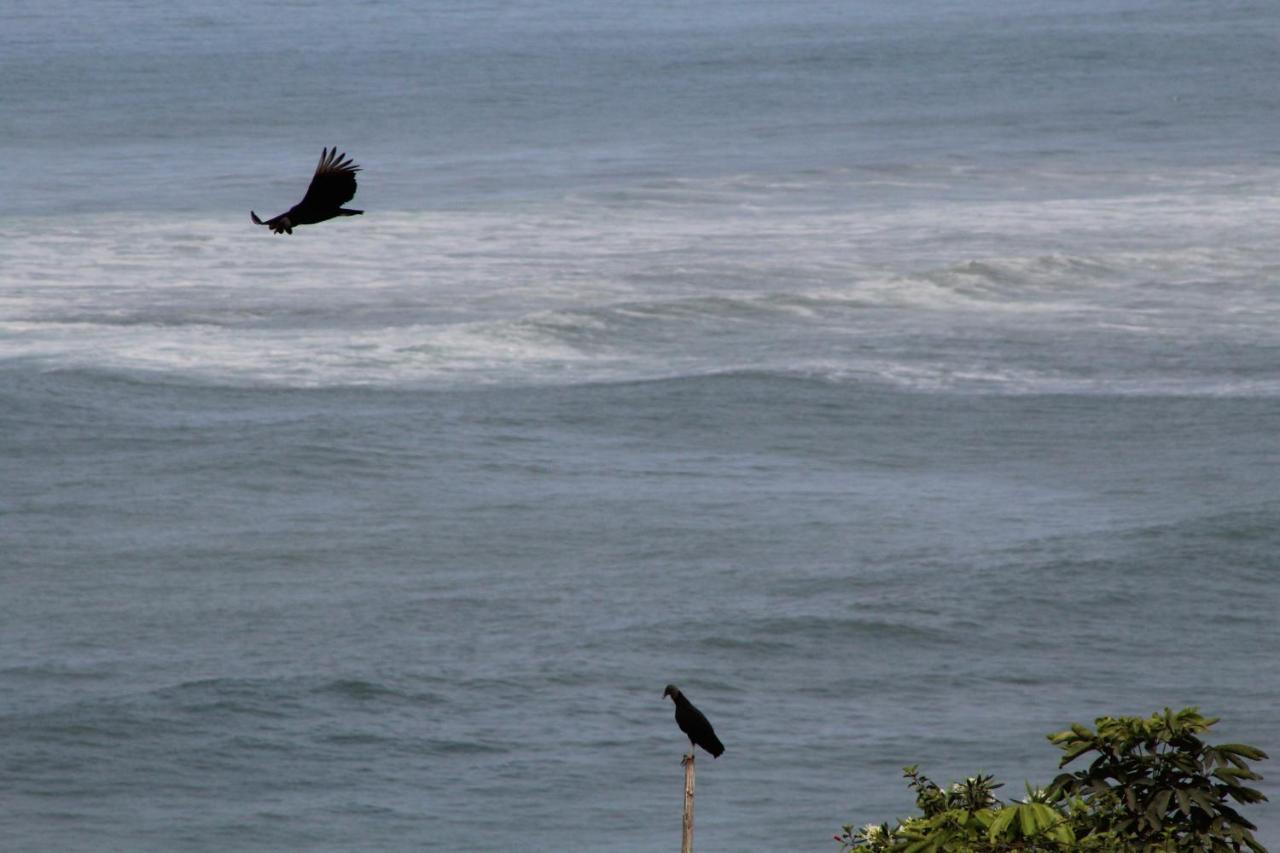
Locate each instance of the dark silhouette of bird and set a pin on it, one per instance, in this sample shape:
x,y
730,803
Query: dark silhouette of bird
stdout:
x,y
333,185
694,724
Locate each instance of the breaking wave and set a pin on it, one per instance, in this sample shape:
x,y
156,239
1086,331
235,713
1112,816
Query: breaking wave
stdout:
x,y
1107,295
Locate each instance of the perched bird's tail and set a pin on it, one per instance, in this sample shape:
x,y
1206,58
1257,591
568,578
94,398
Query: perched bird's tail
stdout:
x,y
346,211
713,745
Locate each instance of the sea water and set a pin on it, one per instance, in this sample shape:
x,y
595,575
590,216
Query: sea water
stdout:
x,y
902,380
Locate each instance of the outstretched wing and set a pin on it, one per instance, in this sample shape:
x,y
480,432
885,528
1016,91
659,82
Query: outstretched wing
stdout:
x,y
333,184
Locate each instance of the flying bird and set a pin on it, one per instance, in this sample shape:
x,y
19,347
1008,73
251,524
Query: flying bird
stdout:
x,y
333,185
693,723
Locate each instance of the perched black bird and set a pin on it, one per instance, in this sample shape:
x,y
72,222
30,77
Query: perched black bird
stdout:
x,y
333,185
692,722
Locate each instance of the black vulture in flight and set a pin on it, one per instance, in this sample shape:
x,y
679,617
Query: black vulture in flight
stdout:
x,y
692,722
333,185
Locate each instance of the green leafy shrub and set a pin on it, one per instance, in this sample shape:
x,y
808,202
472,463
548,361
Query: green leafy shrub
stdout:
x,y
1153,785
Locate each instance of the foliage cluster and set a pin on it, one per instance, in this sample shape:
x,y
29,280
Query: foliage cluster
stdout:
x,y
1153,785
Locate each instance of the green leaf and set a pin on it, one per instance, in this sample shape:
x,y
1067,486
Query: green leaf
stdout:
x,y
1045,817
1202,800
1027,822
1157,807
1250,752
1074,752
1231,774
1062,833
1000,826
924,845
1248,795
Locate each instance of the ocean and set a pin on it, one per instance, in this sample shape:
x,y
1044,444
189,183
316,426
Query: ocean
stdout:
x,y
900,379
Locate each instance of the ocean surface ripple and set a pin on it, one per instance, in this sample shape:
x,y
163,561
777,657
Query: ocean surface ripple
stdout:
x,y
902,382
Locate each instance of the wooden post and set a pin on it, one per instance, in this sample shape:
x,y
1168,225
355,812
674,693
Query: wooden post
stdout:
x,y
686,837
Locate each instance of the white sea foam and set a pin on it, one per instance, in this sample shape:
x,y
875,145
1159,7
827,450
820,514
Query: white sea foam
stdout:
x,y
1105,294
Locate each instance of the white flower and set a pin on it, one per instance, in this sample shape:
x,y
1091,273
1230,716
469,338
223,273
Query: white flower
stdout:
x,y
872,831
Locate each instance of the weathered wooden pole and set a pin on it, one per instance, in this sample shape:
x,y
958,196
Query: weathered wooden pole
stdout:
x,y
686,837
